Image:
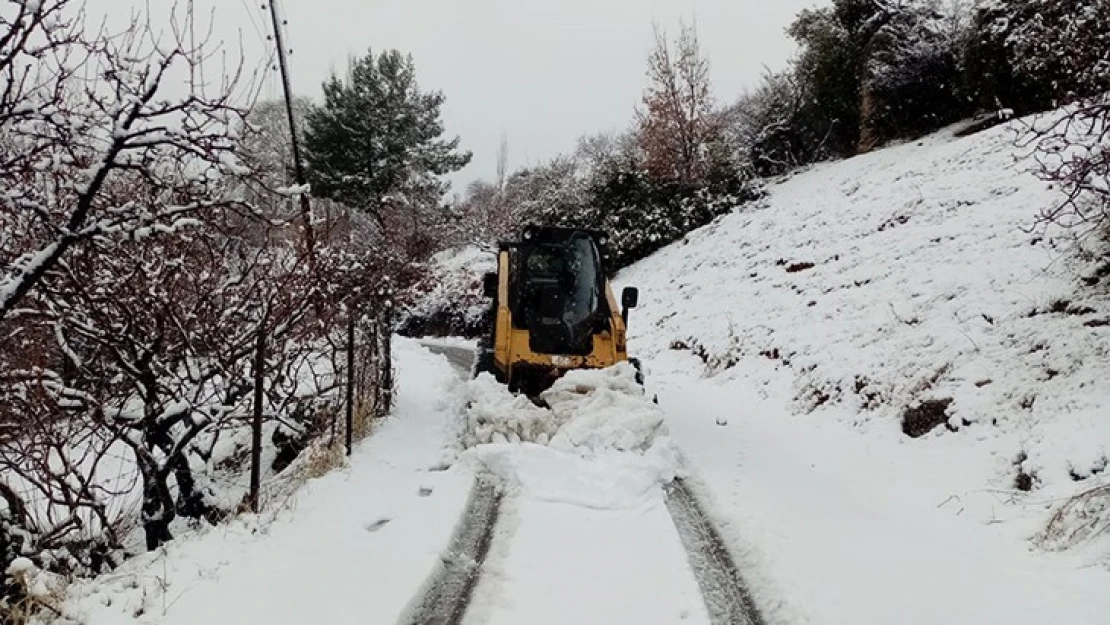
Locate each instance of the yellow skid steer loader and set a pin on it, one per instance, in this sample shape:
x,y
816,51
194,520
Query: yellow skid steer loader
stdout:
x,y
552,309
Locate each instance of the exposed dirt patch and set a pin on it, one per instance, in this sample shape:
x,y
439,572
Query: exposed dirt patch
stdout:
x,y
1094,278
1024,480
1063,307
897,220
919,420
799,267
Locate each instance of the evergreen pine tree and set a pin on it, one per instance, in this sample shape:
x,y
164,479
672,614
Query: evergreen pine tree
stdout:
x,y
377,144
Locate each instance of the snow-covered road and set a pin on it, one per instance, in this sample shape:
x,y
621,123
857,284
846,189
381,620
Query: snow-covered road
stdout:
x,y
577,540
826,525
558,563
584,534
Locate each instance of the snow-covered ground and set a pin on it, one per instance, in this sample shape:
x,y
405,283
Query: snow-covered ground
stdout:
x,y
583,536
833,527
354,546
808,325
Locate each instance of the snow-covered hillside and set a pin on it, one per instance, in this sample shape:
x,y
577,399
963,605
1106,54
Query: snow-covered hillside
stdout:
x,y
898,291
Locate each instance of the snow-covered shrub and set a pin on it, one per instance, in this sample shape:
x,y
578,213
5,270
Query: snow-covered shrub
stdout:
x,y
911,82
30,590
448,300
764,125
1033,55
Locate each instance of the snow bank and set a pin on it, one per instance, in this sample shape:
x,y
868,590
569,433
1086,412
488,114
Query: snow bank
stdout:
x,y
600,443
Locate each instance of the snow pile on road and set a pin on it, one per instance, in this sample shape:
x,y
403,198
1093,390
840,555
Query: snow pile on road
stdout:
x,y
602,410
588,411
494,415
600,443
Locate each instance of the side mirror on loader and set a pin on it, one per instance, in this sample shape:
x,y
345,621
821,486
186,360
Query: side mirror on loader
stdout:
x,y
489,285
630,297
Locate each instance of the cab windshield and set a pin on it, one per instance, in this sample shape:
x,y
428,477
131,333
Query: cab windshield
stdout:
x,y
559,295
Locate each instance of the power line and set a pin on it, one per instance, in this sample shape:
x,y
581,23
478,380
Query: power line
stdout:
x,y
288,34
258,30
267,63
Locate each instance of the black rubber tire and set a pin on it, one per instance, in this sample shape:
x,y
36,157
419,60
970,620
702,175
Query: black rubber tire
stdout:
x,y
483,362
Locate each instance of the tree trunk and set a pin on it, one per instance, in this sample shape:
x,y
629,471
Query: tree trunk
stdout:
x,y
386,337
158,507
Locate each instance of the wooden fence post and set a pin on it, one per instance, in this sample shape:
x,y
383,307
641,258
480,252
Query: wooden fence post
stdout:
x,y
350,378
256,421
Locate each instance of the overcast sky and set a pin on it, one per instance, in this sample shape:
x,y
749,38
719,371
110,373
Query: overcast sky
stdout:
x,y
542,73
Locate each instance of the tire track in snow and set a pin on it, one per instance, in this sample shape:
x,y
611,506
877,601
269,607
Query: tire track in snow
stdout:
x,y
723,591
722,587
448,592
461,358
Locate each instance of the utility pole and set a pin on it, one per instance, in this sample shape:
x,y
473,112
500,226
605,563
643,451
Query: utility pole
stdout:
x,y
298,166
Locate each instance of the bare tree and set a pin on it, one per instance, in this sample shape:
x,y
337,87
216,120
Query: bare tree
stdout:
x,y
141,258
1072,151
89,110
129,292
676,124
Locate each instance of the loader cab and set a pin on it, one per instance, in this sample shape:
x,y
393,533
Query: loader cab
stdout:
x,y
557,293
